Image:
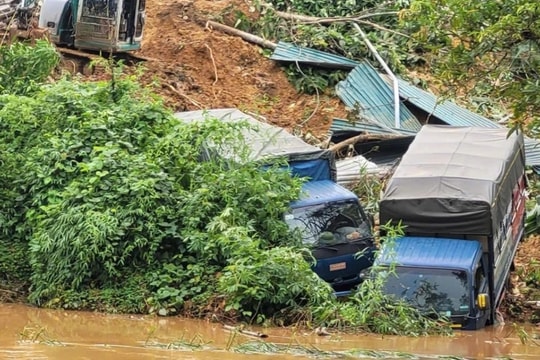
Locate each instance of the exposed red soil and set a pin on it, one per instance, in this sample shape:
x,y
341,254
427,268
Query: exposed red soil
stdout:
x,y
202,68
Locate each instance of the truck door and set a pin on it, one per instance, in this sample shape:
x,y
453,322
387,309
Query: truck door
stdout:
x,y
109,25
95,27
481,286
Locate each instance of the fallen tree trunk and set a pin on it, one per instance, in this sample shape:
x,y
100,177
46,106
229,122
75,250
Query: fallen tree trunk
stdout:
x,y
360,138
306,19
244,35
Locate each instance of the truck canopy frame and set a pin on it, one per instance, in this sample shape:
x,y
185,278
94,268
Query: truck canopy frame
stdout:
x,y
455,181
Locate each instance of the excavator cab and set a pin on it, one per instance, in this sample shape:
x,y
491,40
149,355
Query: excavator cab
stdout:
x,y
100,25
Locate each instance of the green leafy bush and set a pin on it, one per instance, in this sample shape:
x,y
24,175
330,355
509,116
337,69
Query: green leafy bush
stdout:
x,y
263,281
23,68
98,186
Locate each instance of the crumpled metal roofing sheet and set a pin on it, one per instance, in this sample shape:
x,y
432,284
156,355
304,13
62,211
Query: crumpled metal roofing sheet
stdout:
x,y
287,52
366,91
371,92
446,111
532,153
454,115
451,114
371,128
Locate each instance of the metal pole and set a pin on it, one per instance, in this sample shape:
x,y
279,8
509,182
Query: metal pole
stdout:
x,y
397,122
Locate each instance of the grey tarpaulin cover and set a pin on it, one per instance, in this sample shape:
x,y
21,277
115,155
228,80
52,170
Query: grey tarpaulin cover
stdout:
x,y
266,141
454,180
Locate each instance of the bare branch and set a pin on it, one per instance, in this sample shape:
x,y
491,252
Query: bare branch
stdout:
x,y
305,19
329,20
213,63
244,35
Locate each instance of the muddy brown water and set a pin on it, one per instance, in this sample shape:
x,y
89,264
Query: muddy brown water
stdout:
x,y
31,333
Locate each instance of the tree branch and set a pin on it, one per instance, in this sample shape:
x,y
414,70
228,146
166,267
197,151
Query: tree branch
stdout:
x,y
244,35
360,138
329,20
305,19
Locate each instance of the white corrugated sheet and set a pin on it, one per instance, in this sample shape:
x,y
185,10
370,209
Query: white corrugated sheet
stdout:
x,y
350,170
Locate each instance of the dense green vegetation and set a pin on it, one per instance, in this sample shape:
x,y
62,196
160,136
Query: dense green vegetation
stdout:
x,y
106,206
489,48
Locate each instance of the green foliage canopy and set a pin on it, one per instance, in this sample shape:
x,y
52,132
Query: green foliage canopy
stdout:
x,y
493,45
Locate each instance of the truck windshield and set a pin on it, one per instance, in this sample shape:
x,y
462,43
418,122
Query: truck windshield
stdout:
x,y
442,291
329,224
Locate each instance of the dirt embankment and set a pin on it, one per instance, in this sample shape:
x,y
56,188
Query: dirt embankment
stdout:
x,y
201,68
522,302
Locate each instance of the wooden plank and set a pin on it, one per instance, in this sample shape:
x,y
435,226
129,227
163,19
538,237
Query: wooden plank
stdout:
x,y
78,53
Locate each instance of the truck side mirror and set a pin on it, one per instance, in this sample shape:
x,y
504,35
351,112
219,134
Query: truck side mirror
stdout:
x,y
482,301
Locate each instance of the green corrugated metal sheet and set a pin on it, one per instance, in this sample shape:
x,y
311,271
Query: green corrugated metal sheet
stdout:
x,y
366,91
287,52
454,115
532,153
446,111
341,124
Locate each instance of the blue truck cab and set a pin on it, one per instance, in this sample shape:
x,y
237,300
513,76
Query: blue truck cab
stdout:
x,y
459,193
442,277
335,227
328,217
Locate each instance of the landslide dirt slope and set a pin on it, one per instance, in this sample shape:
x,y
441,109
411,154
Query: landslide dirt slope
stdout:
x,y
201,68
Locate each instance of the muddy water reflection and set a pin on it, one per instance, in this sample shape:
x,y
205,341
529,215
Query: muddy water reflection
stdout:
x,y
29,333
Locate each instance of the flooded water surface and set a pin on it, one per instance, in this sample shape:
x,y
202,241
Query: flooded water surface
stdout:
x,y
30,333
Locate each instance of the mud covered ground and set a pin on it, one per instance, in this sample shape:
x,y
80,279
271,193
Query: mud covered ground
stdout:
x,y
202,68
522,302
